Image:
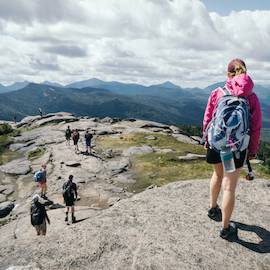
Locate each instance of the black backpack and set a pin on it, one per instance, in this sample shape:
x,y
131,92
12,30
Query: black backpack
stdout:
x,y
67,191
68,133
36,215
88,136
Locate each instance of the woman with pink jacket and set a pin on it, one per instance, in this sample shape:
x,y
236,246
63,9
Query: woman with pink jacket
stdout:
x,y
238,84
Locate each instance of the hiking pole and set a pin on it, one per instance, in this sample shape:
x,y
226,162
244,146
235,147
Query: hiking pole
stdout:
x,y
250,175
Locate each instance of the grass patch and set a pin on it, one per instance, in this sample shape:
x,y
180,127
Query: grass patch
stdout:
x,y
8,156
260,171
5,154
161,169
5,129
37,153
138,139
4,222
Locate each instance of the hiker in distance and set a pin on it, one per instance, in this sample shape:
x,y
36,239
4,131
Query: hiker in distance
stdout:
x,y
40,112
88,137
232,133
68,135
70,195
39,215
41,178
75,138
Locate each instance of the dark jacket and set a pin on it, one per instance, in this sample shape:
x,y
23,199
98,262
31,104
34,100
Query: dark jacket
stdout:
x,y
70,190
38,214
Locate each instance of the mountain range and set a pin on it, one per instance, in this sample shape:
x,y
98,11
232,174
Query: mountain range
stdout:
x,y
166,102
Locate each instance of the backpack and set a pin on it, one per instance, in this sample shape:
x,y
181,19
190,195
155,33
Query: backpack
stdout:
x,y
38,176
88,137
75,136
67,191
229,126
68,133
36,215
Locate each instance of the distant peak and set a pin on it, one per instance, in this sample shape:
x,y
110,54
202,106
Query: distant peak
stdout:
x,y
95,80
167,84
52,83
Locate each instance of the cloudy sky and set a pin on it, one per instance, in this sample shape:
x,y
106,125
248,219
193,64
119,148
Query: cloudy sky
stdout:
x,y
188,42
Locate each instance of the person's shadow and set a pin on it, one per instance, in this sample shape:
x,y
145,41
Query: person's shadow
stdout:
x,y
262,246
80,220
90,154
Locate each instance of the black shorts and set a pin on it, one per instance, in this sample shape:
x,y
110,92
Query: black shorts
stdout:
x,y
213,157
69,201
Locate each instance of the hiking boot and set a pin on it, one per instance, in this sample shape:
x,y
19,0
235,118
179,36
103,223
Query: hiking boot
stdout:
x,y
230,233
43,196
250,176
215,214
73,219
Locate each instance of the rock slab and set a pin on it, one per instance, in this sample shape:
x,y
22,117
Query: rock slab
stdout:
x,y
161,228
19,166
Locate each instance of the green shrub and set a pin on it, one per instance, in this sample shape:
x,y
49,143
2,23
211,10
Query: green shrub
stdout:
x,y
36,153
5,129
191,130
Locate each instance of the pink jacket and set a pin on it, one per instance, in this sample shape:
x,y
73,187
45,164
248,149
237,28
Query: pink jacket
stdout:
x,y
240,85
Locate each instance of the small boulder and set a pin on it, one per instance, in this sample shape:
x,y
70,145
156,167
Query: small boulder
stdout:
x,y
106,120
6,208
150,137
73,164
175,130
138,150
184,138
197,138
191,156
109,153
118,166
164,150
105,132
151,187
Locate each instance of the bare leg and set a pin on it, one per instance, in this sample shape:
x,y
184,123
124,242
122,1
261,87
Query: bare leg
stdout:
x,y
44,228
37,229
72,214
66,219
228,200
45,188
215,184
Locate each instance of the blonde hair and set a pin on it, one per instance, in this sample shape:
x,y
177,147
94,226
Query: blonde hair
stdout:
x,y
236,67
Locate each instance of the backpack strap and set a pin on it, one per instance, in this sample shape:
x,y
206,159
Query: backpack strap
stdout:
x,y
225,91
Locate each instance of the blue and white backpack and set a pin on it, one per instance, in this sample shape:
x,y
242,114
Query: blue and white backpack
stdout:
x,y
38,176
229,126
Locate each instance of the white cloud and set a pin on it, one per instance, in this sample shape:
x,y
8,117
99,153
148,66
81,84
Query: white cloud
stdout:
x,y
145,41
